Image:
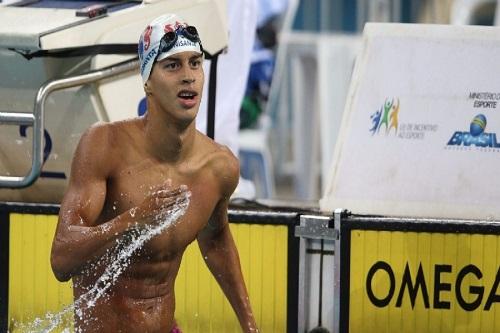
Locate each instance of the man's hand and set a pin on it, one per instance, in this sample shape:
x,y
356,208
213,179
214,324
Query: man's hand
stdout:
x,y
159,203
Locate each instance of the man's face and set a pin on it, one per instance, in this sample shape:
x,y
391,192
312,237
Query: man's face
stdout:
x,y
176,85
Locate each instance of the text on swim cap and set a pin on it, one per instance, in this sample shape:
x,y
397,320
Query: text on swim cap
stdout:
x,y
151,55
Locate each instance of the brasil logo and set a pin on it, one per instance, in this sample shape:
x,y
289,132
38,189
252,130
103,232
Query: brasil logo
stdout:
x,y
476,135
387,116
478,125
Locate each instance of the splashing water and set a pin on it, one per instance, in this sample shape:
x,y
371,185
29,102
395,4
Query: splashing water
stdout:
x,y
119,261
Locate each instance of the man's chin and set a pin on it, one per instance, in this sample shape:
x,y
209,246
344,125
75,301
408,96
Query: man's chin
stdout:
x,y
187,114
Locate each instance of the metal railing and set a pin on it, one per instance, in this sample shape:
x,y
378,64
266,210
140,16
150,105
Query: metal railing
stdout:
x,y
312,227
36,119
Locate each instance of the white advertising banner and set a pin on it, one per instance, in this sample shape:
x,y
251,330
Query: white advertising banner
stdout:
x,y
420,135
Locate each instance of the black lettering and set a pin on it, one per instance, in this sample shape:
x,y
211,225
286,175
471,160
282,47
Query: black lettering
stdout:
x,y
493,296
380,265
438,286
479,291
413,289
485,104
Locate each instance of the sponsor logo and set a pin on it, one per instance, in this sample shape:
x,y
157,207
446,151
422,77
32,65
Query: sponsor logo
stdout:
x,y
147,37
475,137
173,27
386,119
435,293
387,116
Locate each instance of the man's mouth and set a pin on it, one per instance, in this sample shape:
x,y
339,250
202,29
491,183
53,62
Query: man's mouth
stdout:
x,y
187,94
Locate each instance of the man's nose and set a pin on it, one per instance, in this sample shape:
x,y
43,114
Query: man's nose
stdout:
x,y
188,80
188,76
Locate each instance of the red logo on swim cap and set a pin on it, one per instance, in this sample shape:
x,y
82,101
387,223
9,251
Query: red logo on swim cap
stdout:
x,y
147,37
173,27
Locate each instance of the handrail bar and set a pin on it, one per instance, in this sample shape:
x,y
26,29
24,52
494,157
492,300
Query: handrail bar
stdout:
x,y
17,118
39,112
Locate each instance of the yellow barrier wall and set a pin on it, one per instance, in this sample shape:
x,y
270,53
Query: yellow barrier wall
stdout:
x,y
33,289
201,305
443,257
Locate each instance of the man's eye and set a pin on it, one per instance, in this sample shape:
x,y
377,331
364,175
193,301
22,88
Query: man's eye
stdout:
x,y
195,63
171,65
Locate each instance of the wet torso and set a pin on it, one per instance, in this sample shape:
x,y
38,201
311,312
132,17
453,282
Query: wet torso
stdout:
x,y
143,296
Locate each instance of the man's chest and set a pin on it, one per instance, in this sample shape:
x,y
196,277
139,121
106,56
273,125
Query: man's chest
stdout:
x,y
126,193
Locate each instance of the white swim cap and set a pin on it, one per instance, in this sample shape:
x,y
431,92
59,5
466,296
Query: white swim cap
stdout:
x,y
177,37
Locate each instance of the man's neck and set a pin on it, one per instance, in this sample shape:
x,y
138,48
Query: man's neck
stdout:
x,y
168,141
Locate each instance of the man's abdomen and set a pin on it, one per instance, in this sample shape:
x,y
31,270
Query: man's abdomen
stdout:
x,y
128,314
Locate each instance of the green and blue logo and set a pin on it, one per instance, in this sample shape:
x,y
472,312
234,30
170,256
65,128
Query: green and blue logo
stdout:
x,y
387,116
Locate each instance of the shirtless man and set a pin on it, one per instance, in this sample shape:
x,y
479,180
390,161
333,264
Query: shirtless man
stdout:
x,y
125,174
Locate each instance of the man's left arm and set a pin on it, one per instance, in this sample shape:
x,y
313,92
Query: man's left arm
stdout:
x,y
221,256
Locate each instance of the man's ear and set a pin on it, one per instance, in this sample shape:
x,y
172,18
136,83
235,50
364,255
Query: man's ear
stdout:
x,y
147,89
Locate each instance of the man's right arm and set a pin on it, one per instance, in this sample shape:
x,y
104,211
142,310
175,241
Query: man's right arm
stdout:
x,y
80,236
78,239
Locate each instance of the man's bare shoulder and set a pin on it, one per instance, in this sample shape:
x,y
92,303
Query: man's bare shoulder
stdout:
x,y
222,163
105,135
101,142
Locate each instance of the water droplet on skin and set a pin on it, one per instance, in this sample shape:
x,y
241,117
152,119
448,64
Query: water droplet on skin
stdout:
x,y
133,211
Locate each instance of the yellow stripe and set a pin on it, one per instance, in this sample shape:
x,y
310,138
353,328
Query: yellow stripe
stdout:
x,y
268,296
479,122
356,282
280,282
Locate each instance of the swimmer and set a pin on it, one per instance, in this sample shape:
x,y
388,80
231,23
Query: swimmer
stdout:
x,y
125,174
